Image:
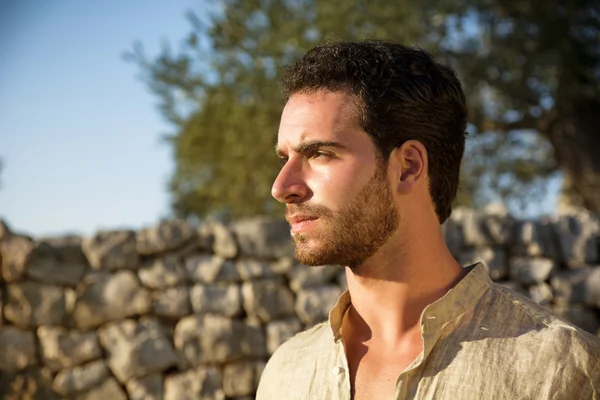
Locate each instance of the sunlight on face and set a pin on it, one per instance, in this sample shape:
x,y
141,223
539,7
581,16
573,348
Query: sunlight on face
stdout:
x,y
339,203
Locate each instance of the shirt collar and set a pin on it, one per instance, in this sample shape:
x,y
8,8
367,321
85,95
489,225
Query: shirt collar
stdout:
x,y
454,303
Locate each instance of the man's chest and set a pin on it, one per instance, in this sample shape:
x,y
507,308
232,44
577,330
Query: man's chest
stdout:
x,y
374,375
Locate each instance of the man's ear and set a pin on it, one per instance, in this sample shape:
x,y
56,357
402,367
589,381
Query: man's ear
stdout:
x,y
409,166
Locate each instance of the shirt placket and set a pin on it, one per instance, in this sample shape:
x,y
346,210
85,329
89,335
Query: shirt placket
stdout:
x,y
408,381
341,373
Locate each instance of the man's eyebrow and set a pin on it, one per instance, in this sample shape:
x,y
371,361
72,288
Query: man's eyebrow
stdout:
x,y
312,145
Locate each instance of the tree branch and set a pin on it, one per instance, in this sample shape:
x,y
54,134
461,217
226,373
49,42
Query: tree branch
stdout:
x,y
528,122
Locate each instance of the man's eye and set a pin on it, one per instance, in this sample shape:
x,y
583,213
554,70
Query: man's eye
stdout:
x,y
283,160
318,154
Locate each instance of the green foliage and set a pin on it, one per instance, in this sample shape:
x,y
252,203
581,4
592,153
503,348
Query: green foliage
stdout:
x,y
221,93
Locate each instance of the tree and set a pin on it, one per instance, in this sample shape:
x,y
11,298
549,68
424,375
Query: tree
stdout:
x,y
539,64
530,72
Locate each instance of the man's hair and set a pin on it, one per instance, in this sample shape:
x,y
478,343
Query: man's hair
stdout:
x,y
402,94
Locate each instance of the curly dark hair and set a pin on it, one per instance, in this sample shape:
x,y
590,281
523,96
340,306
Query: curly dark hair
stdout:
x,y
402,94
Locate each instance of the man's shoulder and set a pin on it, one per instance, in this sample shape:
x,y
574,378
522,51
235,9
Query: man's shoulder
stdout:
x,y
507,334
295,361
533,323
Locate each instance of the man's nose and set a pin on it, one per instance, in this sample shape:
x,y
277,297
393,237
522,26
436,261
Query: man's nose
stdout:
x,y
289,186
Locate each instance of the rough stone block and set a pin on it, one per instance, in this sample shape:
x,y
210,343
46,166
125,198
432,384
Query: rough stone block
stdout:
x,y
240,379
282,266
147,388
302,276
111,250
578,237
67,248
526,242
17,349
33,384
70,301
79,379
313,305
210,338
136,349
254,269
61,348
499,225
107,390
536,239
267,300
279,332
495,260
56,273
171,302
107,297
224,299
16,252
579,286
472,227
202,383
224,244
263,237
162,273
206,268
205,238
47,264
541,293
530,271
168,235
31,304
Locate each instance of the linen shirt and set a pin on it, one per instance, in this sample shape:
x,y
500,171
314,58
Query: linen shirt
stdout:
x,y
480,341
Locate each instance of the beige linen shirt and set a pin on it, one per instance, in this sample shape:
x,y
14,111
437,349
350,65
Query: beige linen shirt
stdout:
x,y
481,341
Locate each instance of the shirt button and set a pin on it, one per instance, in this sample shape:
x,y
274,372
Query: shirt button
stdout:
x,y
338,371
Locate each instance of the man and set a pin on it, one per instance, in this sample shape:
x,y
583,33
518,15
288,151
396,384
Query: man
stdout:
x,y
371,139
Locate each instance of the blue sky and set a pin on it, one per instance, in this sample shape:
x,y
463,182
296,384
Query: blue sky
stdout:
x,y
80,137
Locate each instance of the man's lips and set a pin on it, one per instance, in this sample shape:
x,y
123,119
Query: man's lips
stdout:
x,y
296,219
300,223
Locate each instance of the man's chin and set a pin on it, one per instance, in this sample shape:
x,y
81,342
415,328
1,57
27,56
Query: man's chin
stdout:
x,y
310,255
310,260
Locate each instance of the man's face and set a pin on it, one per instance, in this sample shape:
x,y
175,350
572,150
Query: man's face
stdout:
x,y
337,195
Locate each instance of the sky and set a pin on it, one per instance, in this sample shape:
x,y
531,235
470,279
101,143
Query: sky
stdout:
x,y
80,135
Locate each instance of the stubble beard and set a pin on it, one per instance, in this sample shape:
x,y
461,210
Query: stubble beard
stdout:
x,y
353,234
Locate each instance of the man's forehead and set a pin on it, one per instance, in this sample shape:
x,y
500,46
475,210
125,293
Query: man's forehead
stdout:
x,y
317,117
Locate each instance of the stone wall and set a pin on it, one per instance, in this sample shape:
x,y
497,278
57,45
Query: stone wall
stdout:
x,y
172,312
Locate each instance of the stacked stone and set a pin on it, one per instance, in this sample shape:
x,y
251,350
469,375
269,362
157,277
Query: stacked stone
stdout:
x,y
175,312
169,312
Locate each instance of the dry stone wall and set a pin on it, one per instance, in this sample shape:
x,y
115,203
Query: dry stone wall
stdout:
x,y
172,312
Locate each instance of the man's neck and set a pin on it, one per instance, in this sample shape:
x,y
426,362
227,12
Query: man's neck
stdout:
x,y
390,291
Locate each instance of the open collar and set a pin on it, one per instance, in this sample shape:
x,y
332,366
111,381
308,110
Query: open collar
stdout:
x,y
454,303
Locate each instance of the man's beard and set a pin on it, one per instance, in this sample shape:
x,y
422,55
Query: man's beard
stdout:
x,y
353,234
